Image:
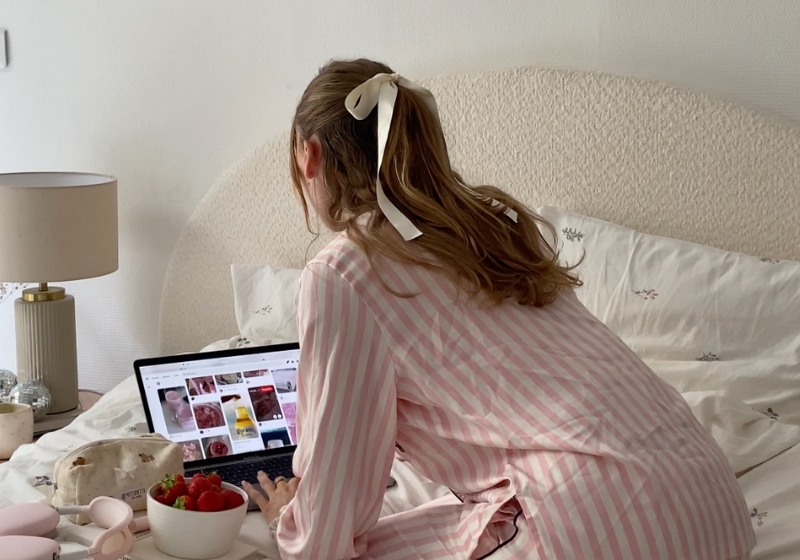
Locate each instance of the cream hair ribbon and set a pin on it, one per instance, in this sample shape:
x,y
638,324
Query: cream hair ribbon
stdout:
x,y
381,90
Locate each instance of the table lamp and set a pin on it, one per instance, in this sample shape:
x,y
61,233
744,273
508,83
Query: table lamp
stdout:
x,y
54,227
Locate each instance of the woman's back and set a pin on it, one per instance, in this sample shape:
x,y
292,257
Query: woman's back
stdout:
x,y
545,410
557,441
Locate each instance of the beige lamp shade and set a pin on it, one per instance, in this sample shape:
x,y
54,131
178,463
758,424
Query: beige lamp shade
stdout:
x,y
56,227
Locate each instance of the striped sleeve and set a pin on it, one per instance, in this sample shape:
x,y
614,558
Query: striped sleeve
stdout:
x,y
346,422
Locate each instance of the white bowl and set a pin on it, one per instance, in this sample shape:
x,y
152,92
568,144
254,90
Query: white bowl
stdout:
x,y
194,535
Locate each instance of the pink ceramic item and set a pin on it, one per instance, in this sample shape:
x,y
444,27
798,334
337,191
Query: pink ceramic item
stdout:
x,y
35,520
24,531
16,427
29,548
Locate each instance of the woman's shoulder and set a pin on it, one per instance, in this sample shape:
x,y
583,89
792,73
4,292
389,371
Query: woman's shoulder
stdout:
x,y
343,257
340,254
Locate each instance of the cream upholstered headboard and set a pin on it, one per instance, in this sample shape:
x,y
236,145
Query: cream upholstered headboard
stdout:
x,y
638,153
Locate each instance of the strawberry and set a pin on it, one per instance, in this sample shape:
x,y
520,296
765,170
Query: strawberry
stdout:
x,y
210,501
215,488
178,490
232,499
179,478
214,479
161,499
167,483
198,486
198,475
172,489
185,502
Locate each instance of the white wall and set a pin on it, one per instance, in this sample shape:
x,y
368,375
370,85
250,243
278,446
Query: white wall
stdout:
x,y
168,94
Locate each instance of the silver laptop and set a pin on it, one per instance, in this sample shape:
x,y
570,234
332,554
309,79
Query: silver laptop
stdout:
x,y
232,411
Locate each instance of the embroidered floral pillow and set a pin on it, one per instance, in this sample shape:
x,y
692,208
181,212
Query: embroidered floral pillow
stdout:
x,y
265,301
702,318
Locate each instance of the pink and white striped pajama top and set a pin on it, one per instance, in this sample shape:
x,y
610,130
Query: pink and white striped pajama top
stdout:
x,y
556,440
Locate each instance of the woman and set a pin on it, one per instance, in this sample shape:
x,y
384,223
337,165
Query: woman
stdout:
x,y
440,326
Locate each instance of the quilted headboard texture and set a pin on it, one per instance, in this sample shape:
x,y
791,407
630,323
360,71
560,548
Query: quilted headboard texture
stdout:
x,y
642,154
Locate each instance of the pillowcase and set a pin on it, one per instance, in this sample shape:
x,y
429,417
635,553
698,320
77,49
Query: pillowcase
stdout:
x,y
702,318
265,301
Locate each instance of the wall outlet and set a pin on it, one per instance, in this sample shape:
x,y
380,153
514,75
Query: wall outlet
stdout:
x,y
3,49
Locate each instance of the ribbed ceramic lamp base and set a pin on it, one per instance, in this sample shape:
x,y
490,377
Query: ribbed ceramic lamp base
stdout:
x,y
46,348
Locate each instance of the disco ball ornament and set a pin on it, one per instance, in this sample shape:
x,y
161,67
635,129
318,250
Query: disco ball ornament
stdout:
x,y
33,393
7,382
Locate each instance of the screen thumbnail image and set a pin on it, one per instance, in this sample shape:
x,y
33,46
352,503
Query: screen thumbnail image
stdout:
x,y
217,446
240,418
265,402
208,415
290,414
228,378
256,373
175,410
274,439
192,450
285,380
201,386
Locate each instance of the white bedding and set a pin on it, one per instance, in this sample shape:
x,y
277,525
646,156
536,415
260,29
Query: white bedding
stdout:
x,y
27,476
772,489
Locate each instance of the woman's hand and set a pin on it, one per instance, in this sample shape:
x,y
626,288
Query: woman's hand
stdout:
x,y
280,493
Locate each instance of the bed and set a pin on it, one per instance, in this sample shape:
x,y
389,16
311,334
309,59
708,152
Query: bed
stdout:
x,y
683,205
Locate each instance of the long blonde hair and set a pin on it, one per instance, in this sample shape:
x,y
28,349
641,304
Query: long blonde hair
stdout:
x,y
464,236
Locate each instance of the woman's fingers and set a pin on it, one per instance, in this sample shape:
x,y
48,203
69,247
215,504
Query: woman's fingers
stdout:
x,y
266,483
256,496
293,484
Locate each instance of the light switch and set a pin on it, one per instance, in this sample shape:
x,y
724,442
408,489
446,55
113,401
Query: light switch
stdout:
x,y
3,51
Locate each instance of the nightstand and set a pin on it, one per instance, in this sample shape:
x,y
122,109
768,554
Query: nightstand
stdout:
x,y
87,400
53,422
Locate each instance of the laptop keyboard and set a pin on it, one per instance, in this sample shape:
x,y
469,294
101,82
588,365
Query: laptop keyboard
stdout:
x,y
274,466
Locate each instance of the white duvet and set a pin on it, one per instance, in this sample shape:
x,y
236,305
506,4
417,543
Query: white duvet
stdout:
x,y
749,439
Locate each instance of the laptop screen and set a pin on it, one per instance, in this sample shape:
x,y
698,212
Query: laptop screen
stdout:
x,y
224,406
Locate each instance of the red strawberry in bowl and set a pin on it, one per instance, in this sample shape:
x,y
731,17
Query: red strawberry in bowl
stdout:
x,y
214,479
167,483
210,501
198,486
232,499
186,503
171,489
196,527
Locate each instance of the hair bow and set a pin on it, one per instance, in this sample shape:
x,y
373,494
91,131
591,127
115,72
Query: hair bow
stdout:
x,y
381,91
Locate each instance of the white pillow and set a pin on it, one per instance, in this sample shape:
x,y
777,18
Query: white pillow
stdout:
x,y
702,318
265,300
